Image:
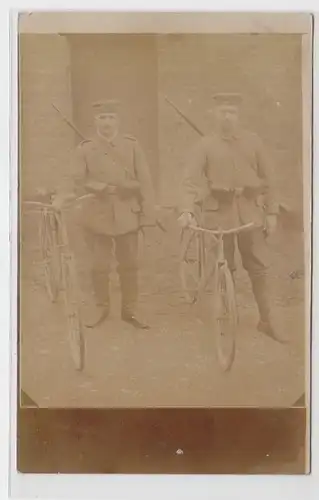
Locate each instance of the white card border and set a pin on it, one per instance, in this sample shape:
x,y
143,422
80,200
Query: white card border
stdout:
x,y
157,486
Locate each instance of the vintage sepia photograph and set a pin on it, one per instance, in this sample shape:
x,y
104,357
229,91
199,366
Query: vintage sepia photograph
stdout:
x,y
165,217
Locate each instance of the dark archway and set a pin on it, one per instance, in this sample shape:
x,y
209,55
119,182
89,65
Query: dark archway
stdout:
x,y
122,67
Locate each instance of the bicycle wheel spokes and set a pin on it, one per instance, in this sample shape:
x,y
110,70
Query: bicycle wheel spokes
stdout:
x,y
75,332
50,253
225,318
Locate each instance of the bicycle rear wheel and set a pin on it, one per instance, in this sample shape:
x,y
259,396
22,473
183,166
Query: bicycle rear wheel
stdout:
x,y
50,253
191,264
75,329
225,317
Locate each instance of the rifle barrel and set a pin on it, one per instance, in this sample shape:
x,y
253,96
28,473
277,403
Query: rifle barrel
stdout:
x,y
68,122
188,120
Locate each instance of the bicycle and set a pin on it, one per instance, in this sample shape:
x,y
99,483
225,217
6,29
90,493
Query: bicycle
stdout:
x,y
60,272
198,270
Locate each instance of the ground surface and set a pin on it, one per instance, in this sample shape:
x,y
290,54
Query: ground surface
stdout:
x,y
174,363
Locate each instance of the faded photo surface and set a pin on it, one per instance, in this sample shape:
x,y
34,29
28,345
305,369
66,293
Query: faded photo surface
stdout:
x,y
164,258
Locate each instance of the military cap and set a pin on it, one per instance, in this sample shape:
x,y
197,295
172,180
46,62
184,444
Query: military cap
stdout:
x,y
106,106
233,99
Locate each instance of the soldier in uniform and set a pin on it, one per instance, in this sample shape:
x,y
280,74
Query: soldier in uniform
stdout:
x,y
229,159
113,168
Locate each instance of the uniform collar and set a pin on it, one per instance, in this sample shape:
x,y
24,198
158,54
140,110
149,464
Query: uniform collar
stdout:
x,y
231,137
103,140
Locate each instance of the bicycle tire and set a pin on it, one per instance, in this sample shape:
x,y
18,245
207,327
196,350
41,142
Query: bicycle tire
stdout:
x,y
50,254
75,329
225,317
191,265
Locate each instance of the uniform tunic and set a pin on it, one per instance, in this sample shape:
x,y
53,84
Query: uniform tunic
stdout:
x,y
233,162
115,164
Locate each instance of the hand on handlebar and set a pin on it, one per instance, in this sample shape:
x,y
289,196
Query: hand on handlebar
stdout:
x,y
186,219
44,195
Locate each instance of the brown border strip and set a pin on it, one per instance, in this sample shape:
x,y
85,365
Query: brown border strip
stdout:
x,y
168,441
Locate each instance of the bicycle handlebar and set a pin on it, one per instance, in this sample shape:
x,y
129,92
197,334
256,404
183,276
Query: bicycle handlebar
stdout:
x,y
221,232
39,204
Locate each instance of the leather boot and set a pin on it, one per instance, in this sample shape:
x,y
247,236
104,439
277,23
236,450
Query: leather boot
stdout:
x,y
129,317
99,315
267,323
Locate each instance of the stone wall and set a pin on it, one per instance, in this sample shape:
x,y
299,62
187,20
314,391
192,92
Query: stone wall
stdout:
x,y
45,142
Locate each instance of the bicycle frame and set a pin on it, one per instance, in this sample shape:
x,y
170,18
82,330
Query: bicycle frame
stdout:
x,y
209,267
211,261
59,227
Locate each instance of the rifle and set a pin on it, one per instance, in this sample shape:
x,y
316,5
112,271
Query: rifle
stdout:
x,y
83,138
68,122
188,120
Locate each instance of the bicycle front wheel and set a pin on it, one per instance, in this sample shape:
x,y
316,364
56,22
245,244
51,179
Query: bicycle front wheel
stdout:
x,y
75,330
50,253
225,317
